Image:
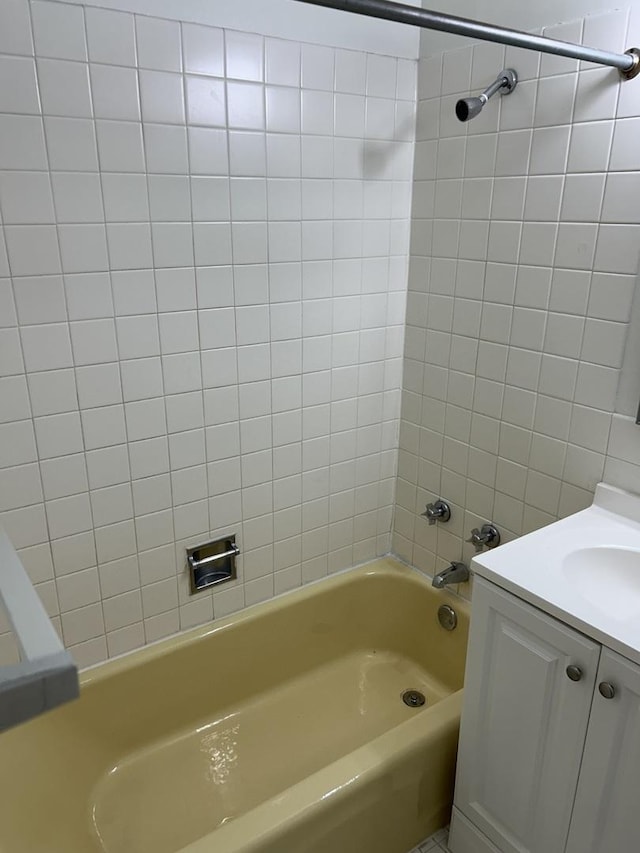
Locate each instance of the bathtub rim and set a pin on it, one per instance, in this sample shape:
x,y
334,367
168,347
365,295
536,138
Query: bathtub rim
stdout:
x,y
388,565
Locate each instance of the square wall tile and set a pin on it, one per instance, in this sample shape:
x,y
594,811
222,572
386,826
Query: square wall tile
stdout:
x,y
71,144
53,391
115,92
159,44
129,246
63,476
15,28
46,347
58,435
78,197
244,56
282,62
88,296
162,97
166,149
64,88
22,259
203,50
83,248
22,142
58,30
206,101
120,146
40,299
125,197
110,36
93,341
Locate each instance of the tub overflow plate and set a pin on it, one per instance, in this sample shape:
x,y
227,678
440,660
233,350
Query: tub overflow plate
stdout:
x,y
413,698
447,617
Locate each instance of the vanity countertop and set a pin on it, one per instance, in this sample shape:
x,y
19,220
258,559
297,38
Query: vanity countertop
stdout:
x,y
583,569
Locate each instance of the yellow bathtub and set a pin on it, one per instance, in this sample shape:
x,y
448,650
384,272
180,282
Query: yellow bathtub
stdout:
x,y
278,730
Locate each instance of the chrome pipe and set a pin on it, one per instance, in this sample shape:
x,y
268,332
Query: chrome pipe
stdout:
x,y
499,83
628,63
468,108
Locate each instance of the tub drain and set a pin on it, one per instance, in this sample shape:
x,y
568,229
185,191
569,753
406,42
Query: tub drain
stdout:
x,y
413,698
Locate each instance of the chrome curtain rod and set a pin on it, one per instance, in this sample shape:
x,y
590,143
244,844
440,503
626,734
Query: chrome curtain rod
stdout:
x,y
628,63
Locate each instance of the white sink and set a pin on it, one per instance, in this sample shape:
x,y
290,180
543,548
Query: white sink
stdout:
x,y
599,574
584,569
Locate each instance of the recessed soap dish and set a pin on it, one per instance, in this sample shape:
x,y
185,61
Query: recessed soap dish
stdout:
x,y
212,563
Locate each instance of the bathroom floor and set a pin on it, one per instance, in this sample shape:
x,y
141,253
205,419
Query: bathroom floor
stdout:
x,y
437,843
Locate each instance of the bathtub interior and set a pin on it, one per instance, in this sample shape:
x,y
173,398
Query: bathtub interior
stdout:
x,y
170,743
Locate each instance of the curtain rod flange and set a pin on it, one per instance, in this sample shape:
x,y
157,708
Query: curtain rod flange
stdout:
x,y
632,72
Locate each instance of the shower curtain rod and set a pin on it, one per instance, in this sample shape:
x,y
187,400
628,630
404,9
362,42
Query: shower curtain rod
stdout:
x,y
627,63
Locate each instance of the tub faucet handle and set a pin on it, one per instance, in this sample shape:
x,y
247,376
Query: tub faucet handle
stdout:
x,y
437,511
488,535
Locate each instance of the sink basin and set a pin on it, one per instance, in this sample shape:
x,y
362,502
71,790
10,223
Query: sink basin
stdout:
x,y
608,577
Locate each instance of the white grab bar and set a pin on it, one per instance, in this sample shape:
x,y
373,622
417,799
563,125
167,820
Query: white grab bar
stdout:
x,y
47,676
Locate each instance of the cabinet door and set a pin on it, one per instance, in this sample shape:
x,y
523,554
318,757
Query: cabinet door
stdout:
x,y
605,816
523,723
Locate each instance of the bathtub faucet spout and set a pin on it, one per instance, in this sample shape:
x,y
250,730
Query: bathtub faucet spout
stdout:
x,y
455,573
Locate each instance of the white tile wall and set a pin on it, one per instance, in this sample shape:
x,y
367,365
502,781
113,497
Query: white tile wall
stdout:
x,y
524,251
203,271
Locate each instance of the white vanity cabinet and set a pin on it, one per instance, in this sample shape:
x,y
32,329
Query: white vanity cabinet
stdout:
x,y
606,815
546,763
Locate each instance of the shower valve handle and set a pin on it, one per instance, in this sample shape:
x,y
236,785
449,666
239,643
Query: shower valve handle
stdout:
x,y
437,511
488,535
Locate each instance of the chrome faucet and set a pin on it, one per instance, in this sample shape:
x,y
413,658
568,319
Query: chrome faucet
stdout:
x,y
488,535
455,573
438,511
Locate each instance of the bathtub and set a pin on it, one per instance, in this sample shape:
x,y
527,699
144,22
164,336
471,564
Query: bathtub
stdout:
x,y
280,729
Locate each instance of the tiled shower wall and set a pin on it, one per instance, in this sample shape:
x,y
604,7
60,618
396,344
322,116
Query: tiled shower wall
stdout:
x,y
524,251
202,302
